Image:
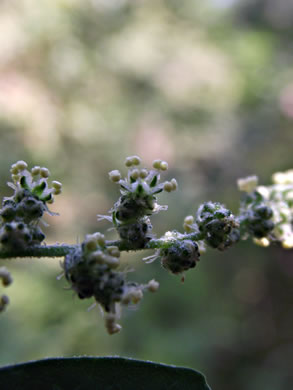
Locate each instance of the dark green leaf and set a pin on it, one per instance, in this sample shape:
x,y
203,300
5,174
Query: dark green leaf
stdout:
x,y
39,189
23,183
108,373
154,181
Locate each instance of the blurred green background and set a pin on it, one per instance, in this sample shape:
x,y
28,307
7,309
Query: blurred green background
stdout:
x,y
206,85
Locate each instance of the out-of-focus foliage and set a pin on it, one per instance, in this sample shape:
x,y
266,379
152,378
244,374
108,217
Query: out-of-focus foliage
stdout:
x,y
205,85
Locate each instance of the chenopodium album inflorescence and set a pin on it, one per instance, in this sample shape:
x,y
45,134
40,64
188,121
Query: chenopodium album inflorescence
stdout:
x,y
93,268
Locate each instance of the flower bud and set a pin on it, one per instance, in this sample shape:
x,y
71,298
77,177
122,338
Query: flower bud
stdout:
x,y
135,160
264,242
14,169
44,172
168,186
288,242
136,295
164,166
100,238
35,170
157,164
153,285
111,324
113,251
134,174
189,220
56,184
247,184
21,165
143,173
115,176
174,184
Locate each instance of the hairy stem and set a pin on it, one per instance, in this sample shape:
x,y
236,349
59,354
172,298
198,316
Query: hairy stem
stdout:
x,y
61,250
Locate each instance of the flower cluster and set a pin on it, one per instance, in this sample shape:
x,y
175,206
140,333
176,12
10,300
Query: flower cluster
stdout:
x,y
91,270
180,257
270,210
218,226
256,216
130,214
177,254
22,211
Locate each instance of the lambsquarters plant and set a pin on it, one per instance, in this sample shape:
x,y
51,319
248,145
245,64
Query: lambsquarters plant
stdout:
x,y
93,268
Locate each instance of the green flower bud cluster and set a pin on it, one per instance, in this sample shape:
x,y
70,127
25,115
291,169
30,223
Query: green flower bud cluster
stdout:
x,y
18,235
137,234
255,216
177,254
274,205
22,211
180,257
138,200
91,271
92,268
217,224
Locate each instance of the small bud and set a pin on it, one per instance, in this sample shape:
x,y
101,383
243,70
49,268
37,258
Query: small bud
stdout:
x,y
98,256
164,166
111,324
136,296
189,220
201,247
247,184
264,242
168,186
143,173
153,285
57,191
114,176
113,251
288,242
14,169
135,174
136,160
128,162
174,184
44,172
35,170
157,164
21,165
56,184
112,262
90,244
100,238
187,225
279,178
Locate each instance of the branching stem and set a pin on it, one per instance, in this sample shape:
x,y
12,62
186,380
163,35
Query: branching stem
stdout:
x,y
61,250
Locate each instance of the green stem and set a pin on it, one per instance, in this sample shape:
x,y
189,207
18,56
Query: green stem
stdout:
x,y
38,251
62,250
